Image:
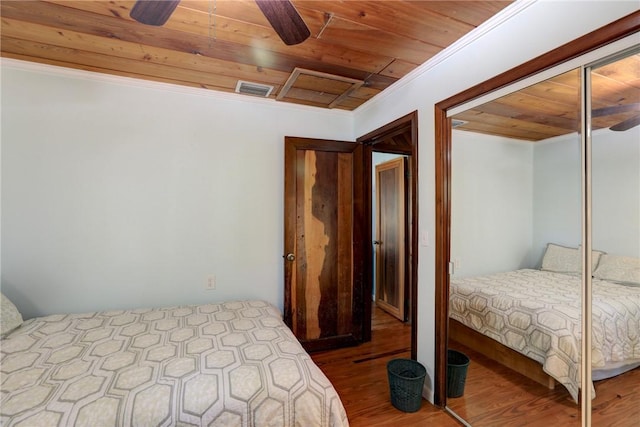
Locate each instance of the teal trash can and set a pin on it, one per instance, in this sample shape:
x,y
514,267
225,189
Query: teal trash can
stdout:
x,y
406,379
457,364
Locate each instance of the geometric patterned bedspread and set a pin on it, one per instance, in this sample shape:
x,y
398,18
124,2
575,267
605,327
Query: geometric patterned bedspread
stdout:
x,y
537,313
228,364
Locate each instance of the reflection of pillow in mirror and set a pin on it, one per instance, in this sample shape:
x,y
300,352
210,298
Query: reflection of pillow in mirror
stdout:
x,y
619,269
561,259
10,317
595,257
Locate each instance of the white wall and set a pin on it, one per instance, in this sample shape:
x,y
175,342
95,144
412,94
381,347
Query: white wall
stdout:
x,y
511,198
117,195
557,194
615,194
491,203
537,28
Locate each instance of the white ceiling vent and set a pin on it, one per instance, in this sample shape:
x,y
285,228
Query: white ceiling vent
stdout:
x,y
255,89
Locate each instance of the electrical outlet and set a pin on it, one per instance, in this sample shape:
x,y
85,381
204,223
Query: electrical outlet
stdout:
x,y
211,283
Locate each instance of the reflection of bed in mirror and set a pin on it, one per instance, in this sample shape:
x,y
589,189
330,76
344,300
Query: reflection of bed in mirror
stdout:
x,y
529,320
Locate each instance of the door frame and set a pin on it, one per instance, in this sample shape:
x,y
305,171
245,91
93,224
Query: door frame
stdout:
x,y
616,30
379,141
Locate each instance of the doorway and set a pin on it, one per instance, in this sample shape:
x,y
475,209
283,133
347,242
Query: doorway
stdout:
x,y
399,138
328,240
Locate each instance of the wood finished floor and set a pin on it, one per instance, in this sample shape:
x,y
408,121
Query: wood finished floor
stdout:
x,y
493,396
359,374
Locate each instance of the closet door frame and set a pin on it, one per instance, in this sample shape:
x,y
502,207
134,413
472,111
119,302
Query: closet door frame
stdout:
x,y
593,41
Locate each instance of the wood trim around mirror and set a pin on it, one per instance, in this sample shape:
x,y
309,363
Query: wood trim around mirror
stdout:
x,y
617,30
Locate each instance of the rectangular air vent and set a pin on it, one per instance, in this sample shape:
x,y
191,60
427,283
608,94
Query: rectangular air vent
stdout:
x,y
457,123
255,89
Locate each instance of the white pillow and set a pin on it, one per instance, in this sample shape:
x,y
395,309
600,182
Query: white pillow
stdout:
x,y
562,259
10,317
620,269
595,257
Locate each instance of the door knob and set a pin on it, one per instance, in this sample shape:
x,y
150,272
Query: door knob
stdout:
x,y
290,257
377,242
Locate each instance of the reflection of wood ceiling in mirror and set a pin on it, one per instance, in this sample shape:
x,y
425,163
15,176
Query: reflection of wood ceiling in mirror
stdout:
x,y
551,108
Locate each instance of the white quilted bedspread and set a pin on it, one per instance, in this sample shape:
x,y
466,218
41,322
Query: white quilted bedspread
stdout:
x,y
230,364
537,313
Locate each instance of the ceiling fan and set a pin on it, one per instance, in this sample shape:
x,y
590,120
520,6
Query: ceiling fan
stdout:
x,y
281,14
617,109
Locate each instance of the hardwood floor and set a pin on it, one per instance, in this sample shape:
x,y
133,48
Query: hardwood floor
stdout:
x,y
360,376
493,395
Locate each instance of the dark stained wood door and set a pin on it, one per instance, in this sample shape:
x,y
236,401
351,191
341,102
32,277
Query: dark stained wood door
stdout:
x,y
323,226
390,242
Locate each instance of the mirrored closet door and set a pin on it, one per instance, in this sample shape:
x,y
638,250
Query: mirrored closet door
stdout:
x,y
515,288
543,318
614,85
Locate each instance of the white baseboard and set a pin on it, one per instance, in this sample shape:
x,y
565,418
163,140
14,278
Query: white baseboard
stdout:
x,y
427,393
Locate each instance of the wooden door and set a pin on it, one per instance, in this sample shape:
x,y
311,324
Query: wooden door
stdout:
x,y
323,242
390,242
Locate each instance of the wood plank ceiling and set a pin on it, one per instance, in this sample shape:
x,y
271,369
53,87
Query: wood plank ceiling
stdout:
x,y
356,50
213,44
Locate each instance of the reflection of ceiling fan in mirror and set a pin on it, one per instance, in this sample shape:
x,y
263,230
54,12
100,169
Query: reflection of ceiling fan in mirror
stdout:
x,y
281,14
618,109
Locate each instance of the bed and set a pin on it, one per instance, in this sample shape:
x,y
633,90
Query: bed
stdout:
x,y
536,313
227,364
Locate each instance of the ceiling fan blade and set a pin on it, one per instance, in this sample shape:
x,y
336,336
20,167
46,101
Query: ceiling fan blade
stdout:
x,y
615,109
153,12
285,20
627,124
